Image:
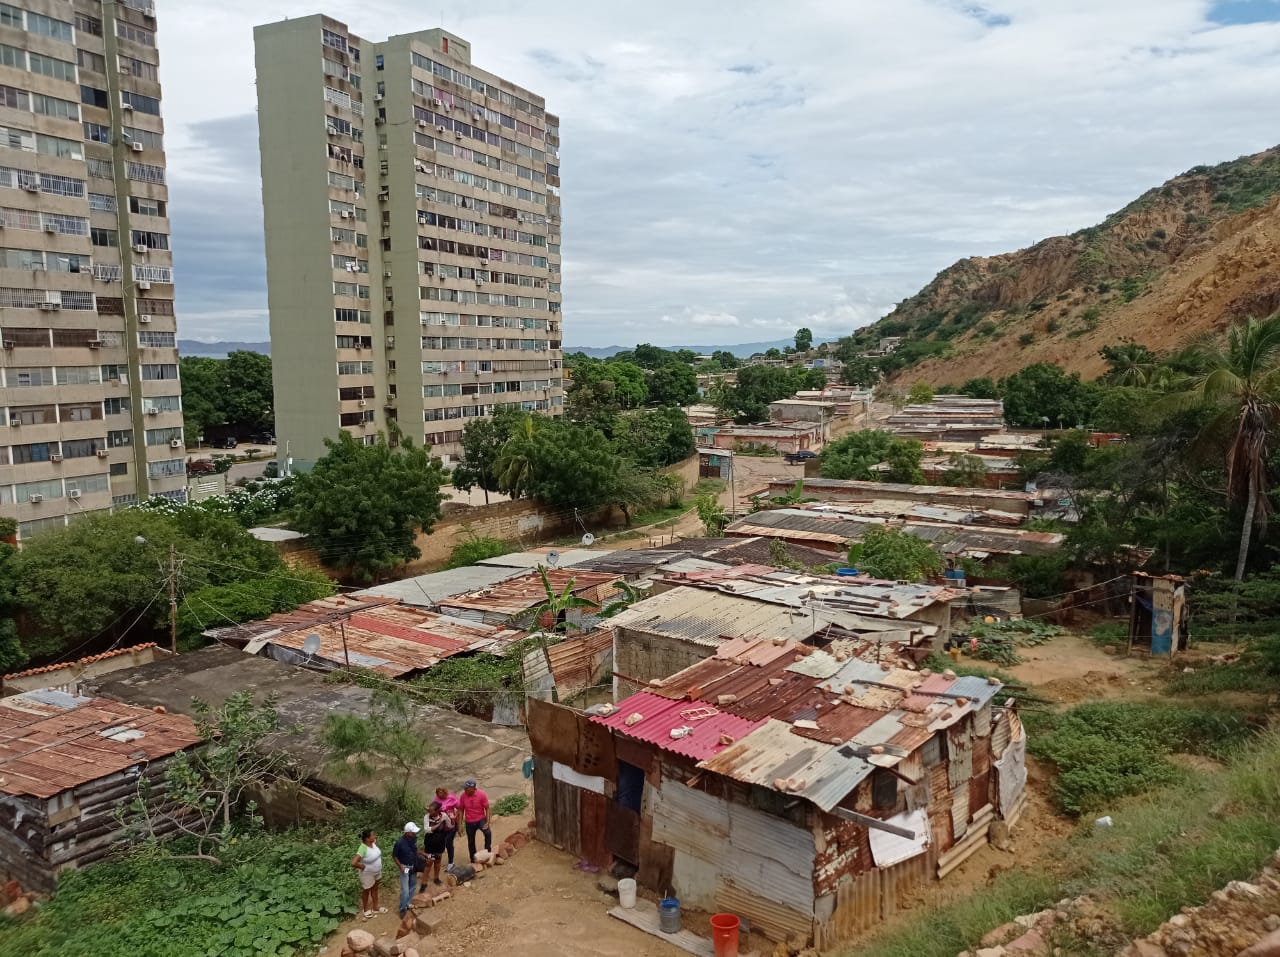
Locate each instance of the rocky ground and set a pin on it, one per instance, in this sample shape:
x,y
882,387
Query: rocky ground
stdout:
x,y
1241,920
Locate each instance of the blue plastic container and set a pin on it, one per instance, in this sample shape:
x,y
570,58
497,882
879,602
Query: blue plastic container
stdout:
x,y
846,572
669,915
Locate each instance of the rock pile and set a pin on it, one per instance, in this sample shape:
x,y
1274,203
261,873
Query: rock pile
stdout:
x,y
1241,920
425,913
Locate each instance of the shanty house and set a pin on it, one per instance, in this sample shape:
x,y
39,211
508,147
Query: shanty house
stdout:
x,y
805,791
67,763
506,601
690,615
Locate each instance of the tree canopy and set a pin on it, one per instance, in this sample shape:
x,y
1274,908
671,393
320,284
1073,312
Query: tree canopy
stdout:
x,y
362,506
804,339
653,438
894,555
234,392
1043,394
853,456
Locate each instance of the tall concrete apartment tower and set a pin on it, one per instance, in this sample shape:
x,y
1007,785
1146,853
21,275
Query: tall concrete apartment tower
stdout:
x,y
92,415
412,213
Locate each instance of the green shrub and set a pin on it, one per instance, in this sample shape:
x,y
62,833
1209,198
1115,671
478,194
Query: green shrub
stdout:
x,y
510,805
475,550
1026,338
1107,750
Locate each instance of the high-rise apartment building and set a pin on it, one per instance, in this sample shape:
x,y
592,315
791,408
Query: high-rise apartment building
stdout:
x,y
92,415
412,212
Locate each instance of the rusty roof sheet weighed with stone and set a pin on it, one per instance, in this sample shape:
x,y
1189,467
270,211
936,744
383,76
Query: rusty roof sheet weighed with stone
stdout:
x,y
811,724
526,591
51,742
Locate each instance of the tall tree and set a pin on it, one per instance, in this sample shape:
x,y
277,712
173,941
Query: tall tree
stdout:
x,y
804,339
673,384
248,399
362,506
1242,384
854,456
724,359
482,441
629,384
653,438
515,461
12,654
1128,364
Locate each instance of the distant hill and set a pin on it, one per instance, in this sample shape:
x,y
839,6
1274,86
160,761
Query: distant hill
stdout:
x,y
1183,260
218,349
739,349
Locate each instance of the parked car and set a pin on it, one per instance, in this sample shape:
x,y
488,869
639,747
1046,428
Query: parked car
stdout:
x,y
229,443
201,467
262,438
799,458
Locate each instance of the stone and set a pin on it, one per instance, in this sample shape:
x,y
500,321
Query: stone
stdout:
x,y
360,941
999,836
1269,946
19,906
1030,943
507,849
1178,920
426,922
499,860
1244,889
517,840
406,942
346,952
1271,922
608,884
421,900
483,857
1110,650
989,952
411,952
1003,933
1144,948
384,947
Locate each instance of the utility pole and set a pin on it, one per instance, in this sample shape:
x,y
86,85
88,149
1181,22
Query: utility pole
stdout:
x,y
173,598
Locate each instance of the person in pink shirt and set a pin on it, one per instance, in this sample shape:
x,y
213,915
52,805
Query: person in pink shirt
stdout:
x,y
449,804
475,814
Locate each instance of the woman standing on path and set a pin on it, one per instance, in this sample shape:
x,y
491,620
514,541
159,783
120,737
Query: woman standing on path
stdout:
x,y
449,804
435,841
368,861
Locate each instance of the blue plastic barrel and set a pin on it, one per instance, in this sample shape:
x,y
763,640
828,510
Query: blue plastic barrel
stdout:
x,y
669,915
846,571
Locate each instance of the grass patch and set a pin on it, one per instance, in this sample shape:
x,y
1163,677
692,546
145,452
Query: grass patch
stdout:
x,y
1109,633
278,894
1167,850
1108,750
511,804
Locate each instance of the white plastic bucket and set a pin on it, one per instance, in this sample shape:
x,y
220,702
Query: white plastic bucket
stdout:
x,y
627,892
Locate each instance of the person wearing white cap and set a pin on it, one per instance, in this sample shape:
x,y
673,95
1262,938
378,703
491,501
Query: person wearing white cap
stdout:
x,y
406,857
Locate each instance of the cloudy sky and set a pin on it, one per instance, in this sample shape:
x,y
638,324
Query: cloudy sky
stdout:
x,y
734,170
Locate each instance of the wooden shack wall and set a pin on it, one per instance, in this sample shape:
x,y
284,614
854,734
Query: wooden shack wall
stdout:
x,y
571,818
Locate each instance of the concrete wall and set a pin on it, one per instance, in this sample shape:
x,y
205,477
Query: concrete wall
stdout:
x,y
69,676
643,656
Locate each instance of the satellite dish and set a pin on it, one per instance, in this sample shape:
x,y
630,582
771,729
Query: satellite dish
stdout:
x,y
310,645
588,540
553,558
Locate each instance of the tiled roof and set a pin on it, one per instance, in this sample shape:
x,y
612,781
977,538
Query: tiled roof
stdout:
x,y
80,662
51,742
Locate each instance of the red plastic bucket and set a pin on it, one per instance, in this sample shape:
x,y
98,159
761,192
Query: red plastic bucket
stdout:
x,y
724,934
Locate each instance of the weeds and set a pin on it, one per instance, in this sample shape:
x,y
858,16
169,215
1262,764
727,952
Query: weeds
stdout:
x,y
511,804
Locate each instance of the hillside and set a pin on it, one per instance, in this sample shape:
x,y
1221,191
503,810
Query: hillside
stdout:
x,y
1183,260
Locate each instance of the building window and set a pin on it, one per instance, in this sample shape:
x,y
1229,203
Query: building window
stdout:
x,y
884,790
81,448
934,751
35,452
156,371
51,66
127,31
89,60
120,438
146,207
119,468
140,103
103,237
89,25
48,27
115,406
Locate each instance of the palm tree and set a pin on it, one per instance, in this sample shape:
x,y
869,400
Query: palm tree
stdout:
x,y
1131,364
1242,383
514,463
550,616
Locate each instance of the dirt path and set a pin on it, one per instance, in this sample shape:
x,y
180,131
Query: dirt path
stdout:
x,y
1069,669
538,901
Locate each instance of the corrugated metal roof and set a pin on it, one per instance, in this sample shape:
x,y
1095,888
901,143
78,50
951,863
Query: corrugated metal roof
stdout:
x,y
52,744
806,708
512,596
566,558
428,590
889,489
804,524
395,639
707,618
660,716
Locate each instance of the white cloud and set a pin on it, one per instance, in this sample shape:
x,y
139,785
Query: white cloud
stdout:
x,y
800,164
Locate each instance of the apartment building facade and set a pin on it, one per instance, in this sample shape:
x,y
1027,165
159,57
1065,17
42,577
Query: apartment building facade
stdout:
x,y
412,212
92,413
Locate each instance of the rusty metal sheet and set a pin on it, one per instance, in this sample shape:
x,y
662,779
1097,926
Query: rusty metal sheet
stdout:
x,y
593,811
553,731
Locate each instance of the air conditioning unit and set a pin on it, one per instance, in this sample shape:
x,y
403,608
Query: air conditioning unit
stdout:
x,y
484,260
363,403
31,187
479,281
50,306
440,130
153,411
332,130
175,443
144,284
126,70
422,124
345,214
95,343
35,499
10,344
103,453
477,116
137,147
386,274
140,247
36,267
50,228
127,106
55,457
144,318
457,134
73,493
377,97
379,120
384,196
437,103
